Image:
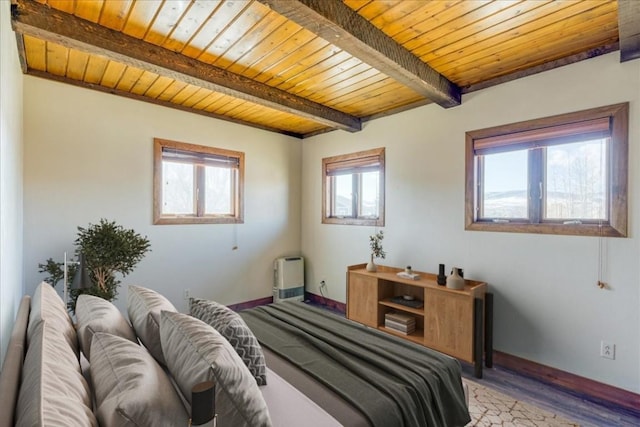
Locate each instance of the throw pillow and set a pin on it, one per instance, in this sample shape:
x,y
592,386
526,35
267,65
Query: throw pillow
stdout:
x,y
235,330
195,352
47,305
95,314
144,306
53,391
131,389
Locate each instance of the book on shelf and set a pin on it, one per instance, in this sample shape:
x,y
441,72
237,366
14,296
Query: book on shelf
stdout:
x,y
398,327
410,276
409,329
399,317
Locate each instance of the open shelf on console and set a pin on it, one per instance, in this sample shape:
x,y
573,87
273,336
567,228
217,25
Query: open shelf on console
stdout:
x,y
388,303
417,336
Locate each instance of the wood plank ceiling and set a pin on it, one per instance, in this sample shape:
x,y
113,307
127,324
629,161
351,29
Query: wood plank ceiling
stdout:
x,y
309,66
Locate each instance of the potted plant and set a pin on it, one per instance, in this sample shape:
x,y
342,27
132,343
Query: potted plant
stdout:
x,y
108,249
375,242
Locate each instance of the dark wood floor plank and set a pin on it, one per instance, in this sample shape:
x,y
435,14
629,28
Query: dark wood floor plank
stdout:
x,y
572,406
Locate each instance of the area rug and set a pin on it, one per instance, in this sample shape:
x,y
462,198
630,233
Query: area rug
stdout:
x,y
489,407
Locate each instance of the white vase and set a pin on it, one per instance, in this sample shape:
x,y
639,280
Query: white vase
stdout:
x,y
455,281
371,266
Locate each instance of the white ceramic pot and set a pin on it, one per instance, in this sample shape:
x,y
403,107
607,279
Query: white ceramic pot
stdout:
x,y
371,266
455,281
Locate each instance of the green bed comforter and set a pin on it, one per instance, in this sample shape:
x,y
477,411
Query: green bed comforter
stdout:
x,y
393,382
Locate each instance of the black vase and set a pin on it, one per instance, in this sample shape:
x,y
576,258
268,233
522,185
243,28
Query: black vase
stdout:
x,y
442,279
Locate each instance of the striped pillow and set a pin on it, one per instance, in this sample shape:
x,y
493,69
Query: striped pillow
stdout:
x,y
231,326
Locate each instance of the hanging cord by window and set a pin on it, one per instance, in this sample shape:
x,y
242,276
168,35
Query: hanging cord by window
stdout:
x,y
601,283
234,245
601,249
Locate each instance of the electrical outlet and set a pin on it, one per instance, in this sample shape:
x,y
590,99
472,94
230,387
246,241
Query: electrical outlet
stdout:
x,y
607,350
186,294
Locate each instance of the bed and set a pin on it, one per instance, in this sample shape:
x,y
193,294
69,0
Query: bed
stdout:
x,y
392,383
359,375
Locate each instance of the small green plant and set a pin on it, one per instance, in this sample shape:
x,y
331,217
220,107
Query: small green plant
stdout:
x,y
375,241
109,249
55,271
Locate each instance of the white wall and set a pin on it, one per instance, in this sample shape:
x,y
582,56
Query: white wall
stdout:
x,y
89,155
11,285
548,308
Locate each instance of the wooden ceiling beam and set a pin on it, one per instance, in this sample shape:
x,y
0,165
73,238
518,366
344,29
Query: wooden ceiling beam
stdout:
x,y
343,27
629,29
43,22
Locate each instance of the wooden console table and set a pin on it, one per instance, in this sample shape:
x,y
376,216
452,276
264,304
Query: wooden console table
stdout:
x,y
456,322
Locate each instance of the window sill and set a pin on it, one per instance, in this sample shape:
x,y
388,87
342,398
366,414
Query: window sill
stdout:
x,y
354,221
174,220
558,229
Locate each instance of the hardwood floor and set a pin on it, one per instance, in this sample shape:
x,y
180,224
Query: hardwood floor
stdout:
x,y
568,404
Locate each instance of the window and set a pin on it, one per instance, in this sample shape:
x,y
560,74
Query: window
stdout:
x,y
565,174
195,184
353,188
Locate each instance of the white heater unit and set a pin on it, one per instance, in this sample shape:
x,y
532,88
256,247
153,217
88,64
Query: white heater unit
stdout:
x,y
288,279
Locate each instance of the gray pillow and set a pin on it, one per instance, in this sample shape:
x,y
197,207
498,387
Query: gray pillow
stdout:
x,y
235,330
195,352
95,314
130,387
53,391
144,306
47,305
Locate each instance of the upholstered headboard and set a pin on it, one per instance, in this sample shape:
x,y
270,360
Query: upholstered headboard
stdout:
x,y
12,366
